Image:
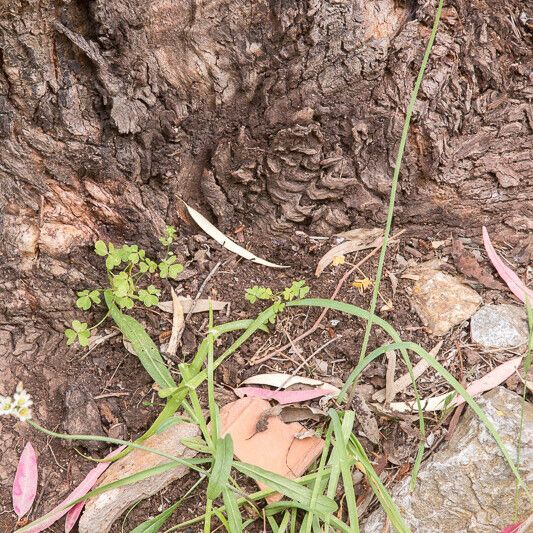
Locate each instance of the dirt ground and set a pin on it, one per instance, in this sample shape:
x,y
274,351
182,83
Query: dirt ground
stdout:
x,y
127,403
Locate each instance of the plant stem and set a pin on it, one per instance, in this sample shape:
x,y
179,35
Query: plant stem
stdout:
x,y
394,185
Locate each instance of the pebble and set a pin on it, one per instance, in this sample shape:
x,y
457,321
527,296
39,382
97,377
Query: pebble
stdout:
x,y
83,416
499,326
442,301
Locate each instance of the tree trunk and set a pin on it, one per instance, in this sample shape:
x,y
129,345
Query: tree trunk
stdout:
x,y
280,114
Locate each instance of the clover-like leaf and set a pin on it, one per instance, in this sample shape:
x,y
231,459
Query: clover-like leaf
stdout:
x,y
298,289
80,332
112,260
258,293
100,248
71,336
175,270
168,238
121,285
124,302
84,302
95,296
83,338
78,326
163,269
147,298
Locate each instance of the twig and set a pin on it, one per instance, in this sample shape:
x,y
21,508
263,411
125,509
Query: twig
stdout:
x,y
97,343
389,377
316,325
111,395
202,287
404,381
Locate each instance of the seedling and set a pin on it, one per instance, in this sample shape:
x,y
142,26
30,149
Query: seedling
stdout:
x,y
126,268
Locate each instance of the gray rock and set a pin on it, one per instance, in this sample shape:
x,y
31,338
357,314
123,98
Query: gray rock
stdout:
x,y
101,511
467,487
442,301
499,326
83,417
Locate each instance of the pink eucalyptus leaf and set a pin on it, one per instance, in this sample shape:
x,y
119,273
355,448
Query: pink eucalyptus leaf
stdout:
x,y
507,274
494,378
513,528
73,515
60,510
25,482
282,396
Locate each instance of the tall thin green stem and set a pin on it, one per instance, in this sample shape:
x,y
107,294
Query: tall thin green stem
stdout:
x,y
394,185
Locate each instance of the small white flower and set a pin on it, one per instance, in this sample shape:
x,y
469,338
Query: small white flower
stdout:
x,y
21,398
18,405
6,405
23,413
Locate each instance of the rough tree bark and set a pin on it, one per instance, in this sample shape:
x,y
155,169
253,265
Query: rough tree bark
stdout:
x,y
278,113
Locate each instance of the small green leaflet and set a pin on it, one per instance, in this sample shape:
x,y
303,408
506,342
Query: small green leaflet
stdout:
x,y
222,461
141,343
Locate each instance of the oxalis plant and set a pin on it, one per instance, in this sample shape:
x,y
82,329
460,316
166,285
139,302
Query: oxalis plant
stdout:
x,y
128,268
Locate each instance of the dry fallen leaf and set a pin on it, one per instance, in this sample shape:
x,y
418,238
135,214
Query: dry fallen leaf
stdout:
x,y
25,482
198,306
507,274
371,239
178,324
467,264
283,381
282,396
487,382
225,241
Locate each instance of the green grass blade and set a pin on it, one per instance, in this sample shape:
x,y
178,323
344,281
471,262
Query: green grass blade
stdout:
x,y
387,503
458,389
318,486
222,462
232,511
153,525
142,344
342,456
289,488
396,176
362,313
337,524
273,524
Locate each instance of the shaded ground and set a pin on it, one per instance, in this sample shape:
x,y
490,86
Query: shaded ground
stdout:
x,y
127,403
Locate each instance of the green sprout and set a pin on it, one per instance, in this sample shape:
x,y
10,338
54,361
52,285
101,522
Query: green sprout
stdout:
x,y
126,267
